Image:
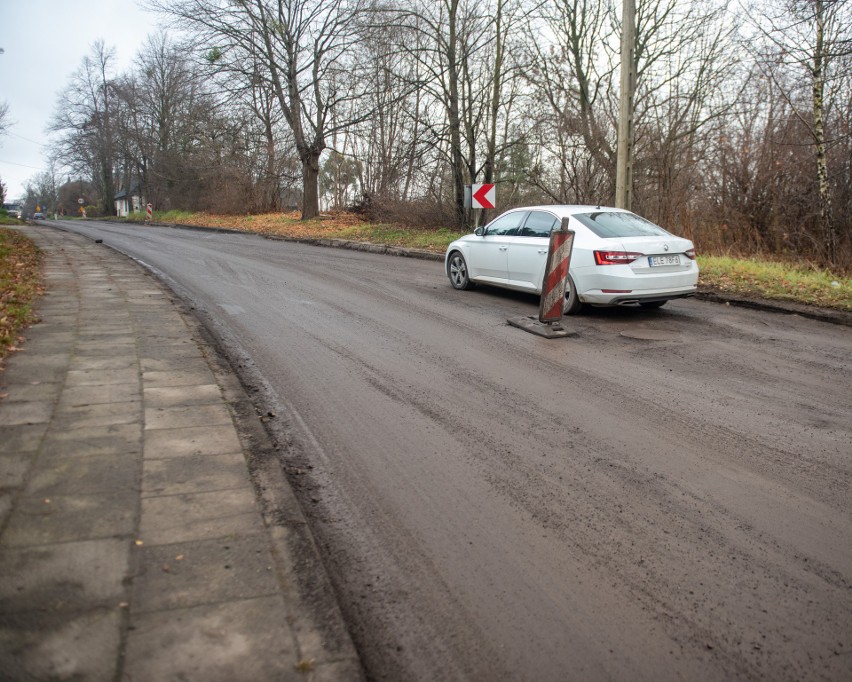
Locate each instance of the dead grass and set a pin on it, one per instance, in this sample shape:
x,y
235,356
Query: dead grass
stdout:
x,y
286,224
20,285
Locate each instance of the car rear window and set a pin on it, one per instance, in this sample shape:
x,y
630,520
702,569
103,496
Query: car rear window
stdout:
x,y
618,224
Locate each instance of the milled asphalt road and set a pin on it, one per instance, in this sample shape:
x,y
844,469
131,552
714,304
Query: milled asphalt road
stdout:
x,y
664,496
143,535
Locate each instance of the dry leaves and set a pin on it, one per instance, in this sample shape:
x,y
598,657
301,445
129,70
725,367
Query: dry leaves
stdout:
x,y
21,282
283,224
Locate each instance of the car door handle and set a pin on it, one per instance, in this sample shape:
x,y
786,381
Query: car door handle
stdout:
x,y
543,251
503,248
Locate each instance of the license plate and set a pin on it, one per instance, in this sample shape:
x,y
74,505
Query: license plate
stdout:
x,y
657,261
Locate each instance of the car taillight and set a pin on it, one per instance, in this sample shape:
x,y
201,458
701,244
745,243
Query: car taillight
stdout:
x,y
690,254
615,257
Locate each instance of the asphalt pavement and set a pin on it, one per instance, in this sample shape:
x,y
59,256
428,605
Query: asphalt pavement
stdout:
x,y
147,531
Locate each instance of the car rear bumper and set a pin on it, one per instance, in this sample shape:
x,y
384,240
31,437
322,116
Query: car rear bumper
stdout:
x,y
599,297
619,285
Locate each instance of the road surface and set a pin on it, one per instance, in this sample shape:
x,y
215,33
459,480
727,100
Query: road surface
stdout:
x,y
665,495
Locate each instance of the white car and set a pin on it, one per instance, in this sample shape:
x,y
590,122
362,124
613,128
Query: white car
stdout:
x,y
618,257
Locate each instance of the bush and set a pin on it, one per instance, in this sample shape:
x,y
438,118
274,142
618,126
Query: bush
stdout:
x,y
417,213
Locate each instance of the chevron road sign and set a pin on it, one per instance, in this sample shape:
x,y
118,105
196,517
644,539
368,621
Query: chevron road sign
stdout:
x,y
483,196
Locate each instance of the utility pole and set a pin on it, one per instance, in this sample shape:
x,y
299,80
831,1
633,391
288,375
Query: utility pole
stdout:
x,y
624,160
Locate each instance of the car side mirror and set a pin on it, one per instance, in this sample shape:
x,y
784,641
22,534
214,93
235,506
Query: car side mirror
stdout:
x,y
479,231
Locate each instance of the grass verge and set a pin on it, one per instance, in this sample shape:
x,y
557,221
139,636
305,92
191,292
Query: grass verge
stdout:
x,y
6,219
775,281
20,285
733,276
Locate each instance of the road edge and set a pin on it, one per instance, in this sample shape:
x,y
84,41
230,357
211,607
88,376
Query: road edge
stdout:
x,y
293,542
829,315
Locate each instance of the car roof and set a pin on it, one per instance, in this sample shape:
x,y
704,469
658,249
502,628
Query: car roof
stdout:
x,y
563,210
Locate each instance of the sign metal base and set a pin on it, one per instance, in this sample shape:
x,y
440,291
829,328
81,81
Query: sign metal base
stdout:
x,y
547,330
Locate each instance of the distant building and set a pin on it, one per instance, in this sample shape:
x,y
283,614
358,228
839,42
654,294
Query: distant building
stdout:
x,y
128,201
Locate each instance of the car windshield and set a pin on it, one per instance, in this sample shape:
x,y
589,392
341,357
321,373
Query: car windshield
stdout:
x,y
619,224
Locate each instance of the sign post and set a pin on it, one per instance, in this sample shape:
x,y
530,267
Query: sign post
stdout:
x,y
149,213
556,274
553,288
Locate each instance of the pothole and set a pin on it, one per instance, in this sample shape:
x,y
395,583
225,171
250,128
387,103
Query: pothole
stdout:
x,y
651,334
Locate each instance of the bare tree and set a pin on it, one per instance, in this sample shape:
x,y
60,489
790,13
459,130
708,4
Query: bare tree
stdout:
x,y
684,59
5,123
40,193
262,102
84,118
839,150
464,69
572,74
444,55
243,86
304,49
4,126
505,130
688,77
167,120
808,37
388,144
156,98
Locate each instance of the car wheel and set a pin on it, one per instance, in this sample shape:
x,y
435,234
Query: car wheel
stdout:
x,y
457,272
572,300
652,304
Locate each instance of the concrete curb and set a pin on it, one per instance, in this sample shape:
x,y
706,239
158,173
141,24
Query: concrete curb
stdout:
x,y
830,315
293,543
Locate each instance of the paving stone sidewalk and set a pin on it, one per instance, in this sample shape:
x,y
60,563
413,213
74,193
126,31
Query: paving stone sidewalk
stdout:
x,y
136,542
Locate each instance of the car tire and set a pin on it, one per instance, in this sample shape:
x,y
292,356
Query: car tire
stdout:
x,y
572,300
652,304
457,271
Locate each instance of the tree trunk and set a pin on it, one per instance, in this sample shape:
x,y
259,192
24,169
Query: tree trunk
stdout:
x,y
271,192
826,224
310,184
109,187
491,152
454,118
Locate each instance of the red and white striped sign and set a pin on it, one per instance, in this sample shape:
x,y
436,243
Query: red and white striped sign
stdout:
x,y
483,196
556,274
149,212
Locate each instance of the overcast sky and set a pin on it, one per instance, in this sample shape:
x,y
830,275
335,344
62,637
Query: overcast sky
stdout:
x,y
44,42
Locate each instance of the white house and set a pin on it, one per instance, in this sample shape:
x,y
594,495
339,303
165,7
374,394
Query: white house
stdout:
x,y
128,201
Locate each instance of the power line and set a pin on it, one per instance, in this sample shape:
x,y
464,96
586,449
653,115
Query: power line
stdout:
x,y
21,137
22,165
